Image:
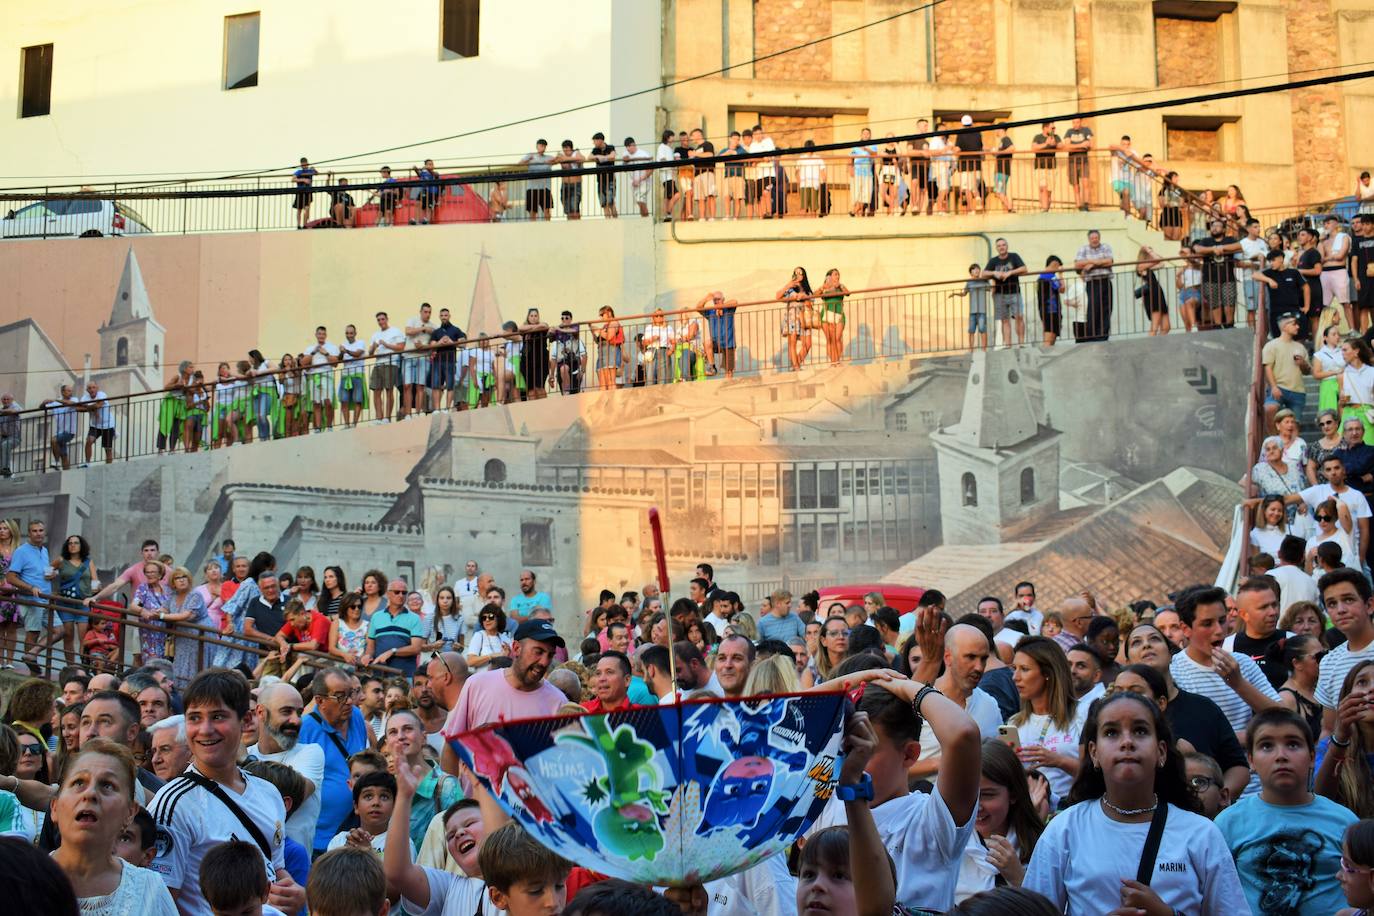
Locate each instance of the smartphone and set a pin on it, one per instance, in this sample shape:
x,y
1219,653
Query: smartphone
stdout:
x,y
1009,735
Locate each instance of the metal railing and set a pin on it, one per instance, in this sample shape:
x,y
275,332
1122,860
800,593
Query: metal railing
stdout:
x,y
791,185
686,346
124,621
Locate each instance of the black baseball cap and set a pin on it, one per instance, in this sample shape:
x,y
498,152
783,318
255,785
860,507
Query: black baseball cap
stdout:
x,y
541,630
1288,316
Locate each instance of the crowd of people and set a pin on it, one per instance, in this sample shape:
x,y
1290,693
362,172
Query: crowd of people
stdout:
x,y
1207,755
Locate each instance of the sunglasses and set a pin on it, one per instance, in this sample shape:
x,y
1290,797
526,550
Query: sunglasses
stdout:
x,y
487,617
1324,518
30,750
396,591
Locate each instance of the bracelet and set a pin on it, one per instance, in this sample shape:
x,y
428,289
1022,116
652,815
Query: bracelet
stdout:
x,y
1336,742
925,691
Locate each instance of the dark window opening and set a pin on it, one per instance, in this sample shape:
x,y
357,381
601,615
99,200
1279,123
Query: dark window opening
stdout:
x,y
460,28
35,75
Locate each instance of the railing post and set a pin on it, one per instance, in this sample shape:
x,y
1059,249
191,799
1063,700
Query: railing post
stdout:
x,y
185,203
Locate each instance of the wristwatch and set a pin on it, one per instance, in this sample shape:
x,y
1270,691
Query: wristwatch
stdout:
x,y
863,789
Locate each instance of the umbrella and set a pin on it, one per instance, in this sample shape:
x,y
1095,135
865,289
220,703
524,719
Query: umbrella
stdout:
x,y
666,795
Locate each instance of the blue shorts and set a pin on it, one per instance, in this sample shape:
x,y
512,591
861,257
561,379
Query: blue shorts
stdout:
x,y
442,372
69,616
1189,294
999,182
414,372
352,389
63,438
1293,400
978,322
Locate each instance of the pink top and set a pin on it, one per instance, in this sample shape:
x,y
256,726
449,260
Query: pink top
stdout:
x,y
214,606
487,697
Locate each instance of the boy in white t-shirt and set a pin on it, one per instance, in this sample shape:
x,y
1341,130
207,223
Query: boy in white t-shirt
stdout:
x,y
926,834
374,796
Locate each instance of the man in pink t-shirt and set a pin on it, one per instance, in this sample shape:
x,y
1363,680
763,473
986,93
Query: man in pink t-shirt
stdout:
x,y
507,694
134,576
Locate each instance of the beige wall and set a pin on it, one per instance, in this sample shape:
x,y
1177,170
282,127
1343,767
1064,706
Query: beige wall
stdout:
x,y
136,83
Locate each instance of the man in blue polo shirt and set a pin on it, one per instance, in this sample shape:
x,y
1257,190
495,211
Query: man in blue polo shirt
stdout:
x,y
519,607
337,726
31,573
720,318
395,634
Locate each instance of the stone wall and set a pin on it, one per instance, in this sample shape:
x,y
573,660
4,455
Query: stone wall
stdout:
x,y
795,130
1187,51
780,24
1318,111
1193,145
965,45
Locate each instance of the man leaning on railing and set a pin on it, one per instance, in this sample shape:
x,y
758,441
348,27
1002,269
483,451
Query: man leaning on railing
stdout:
x,y
9,431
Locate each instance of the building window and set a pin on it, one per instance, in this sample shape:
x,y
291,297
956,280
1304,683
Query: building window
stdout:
x,y
157,358
494,471
536,542
241,50
1027,486
122,351
899,421
460,28
830,494
35,78
1200,139
968,486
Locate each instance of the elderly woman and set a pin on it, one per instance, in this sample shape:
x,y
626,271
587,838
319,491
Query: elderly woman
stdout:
x,y
1329,422
1294,446
93,805
149,600
186,606
1273,476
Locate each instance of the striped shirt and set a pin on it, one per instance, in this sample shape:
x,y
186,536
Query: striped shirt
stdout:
x,y
1195,678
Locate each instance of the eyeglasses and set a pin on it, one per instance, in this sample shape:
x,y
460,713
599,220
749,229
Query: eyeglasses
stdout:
x,y
1202,783
1352,869
844,633
340,697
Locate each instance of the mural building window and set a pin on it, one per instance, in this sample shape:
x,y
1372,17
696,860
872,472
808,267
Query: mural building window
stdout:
x,y
536,542
122,351
35,76
968,486
830,494
494,471
241,50
1027,486
460,28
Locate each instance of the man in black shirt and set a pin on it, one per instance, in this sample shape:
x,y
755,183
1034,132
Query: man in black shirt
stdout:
x,y
970,146
443,375
604,154
1044,144
1288,292
1001,178
1079,140
1257,604
1364,269
1005,271
340,203
704,176
1309,264
1219,273
263,617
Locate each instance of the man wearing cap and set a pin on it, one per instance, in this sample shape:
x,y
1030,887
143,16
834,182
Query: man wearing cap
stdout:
x,y
1285,363
1335,277
970,150
395,633
516,692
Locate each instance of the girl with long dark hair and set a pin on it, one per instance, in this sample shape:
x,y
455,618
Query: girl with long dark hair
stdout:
x,y
1343,767
799,318
1006,829
1132,781
331,595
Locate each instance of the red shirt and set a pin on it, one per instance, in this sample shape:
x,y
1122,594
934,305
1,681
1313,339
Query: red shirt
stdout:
x,y
594,705
318,631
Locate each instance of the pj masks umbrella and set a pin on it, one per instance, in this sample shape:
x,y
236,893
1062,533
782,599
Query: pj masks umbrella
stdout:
x,y
666,795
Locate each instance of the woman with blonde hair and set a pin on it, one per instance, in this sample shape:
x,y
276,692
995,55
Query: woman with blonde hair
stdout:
x,y
1050,719
774,675
1304,618
832,293
743,624
834,646
185,606
10,538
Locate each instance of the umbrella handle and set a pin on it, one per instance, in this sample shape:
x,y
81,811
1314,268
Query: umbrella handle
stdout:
x,y
661,559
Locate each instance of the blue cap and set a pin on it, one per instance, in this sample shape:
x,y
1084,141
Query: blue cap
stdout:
x,y
541,630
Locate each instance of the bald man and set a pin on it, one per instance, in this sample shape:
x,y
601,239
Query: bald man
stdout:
x,y
567,681
279,712
966,658
448,672
102,681
1077,614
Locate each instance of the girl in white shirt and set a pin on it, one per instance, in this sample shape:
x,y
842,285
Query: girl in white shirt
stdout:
x,y
1357,385
1089,856
1006,828
1050,719
1328,364
1271,526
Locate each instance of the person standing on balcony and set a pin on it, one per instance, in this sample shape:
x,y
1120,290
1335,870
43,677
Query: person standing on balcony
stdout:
x,y
319,378
62,412
969,146
389,195
1335,275
735,206
570,194
443,366
304,177
415,365
262,373
666,179
1094,261
1005,271
1218,275
769,180
386,374
811,181
889,173
1044,145
640,180
861,172
1001,175
720,319
172,410
426,194
704,176
1363,225
1171,207
1309,263
352,376
9,430
538,198
1123,171
102,423
604,154
832,293
1079,141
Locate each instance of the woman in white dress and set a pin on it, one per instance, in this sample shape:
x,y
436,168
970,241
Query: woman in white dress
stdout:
x,y
1357,385
94,803
491,641
1333,524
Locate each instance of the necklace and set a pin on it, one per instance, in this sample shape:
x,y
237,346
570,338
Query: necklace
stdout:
x,y
1132,812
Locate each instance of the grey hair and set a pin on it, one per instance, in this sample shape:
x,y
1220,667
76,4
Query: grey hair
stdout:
x,y
177,722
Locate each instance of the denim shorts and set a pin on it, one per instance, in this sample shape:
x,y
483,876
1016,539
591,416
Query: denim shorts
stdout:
x,y
352,389
978,322
1293,400
442,372
414,372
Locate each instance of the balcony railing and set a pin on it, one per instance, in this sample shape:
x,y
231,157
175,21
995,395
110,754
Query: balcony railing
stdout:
x,y
790,185
686,346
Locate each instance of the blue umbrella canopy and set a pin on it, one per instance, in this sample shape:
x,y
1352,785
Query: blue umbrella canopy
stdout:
x,y
666,795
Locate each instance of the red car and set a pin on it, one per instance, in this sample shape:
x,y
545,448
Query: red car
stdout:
x,y
901,598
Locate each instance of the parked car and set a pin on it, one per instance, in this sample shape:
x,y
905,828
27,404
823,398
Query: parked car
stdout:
x,y
1343,209
901,598
72,217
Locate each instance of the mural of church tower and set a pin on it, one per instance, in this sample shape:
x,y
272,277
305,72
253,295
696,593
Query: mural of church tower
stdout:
x,y
132,343
999,465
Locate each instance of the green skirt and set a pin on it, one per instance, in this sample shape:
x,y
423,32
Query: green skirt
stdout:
x,y
474,389
241,406
519,376
1328,396
172,409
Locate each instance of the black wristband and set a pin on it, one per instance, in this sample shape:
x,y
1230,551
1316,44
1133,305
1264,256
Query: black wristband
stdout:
x,y
921,694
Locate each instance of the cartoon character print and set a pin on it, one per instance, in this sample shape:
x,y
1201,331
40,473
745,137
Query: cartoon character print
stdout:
x,y
493,757
632,789
740,791
1287,862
